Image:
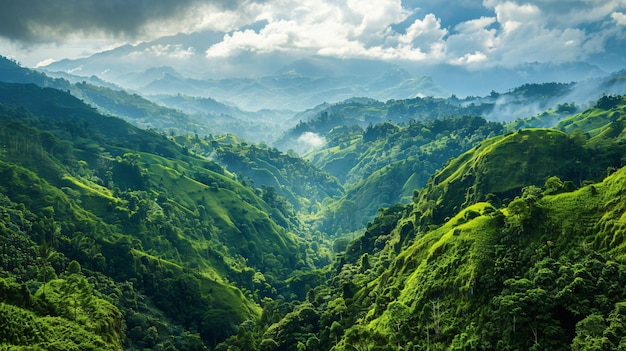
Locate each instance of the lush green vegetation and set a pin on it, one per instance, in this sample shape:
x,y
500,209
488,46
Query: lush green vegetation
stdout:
x,y
384,164
158,232
513,260
477,235
300,184
515,105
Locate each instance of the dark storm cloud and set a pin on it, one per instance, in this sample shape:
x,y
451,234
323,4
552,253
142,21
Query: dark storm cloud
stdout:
x,y
36,21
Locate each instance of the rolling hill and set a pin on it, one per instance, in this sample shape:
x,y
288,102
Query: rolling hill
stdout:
x,y
138,214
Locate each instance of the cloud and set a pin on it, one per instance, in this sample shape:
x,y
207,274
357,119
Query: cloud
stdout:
x,y
619,18
39,21
341,29
273,37
472,33
172,51
471,41
311,139
538,31
319,27
514,33
45,62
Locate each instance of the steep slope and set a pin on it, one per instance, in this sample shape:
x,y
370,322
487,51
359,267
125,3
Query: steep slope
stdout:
x,y
131,205
385,163
492,279
532,275
499,168
594,145
293,179
544,270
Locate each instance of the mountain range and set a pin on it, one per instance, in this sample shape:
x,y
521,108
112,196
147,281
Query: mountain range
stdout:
x,y
286,81
430,222
297,85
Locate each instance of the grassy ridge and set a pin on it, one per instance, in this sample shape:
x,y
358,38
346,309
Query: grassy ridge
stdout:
x,y
499,168
453,284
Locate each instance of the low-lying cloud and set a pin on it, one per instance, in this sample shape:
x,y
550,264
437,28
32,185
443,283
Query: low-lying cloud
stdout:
x,y
311,139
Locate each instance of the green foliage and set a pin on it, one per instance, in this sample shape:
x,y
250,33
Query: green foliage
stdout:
x,y
71,316
503,166
540,269
115,237
87,194
383,165
295,181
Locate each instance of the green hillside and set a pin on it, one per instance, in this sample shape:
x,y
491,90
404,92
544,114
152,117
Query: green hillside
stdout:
x,y
302,185
146,221
501,279
384,164
542,269
498,169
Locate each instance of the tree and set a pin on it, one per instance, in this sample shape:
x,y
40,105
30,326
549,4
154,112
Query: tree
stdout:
x,y
553,185
357,338
365,263
336,331
398,316
521,213
616,329
313,343
73,268
589,334
45,255
268,345
337,307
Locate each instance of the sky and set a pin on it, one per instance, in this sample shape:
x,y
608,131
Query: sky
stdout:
x,y
471,33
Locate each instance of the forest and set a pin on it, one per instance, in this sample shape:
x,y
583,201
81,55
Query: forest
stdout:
x,y
436,229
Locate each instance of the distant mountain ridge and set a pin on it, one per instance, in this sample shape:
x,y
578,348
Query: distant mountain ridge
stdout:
x,y
272,82
300,85
133,68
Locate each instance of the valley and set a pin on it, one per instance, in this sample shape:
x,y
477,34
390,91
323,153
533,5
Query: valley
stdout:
x,y
179,220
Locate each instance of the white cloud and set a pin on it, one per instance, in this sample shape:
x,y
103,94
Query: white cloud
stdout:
x,y
504,32
516,33
426,31
273,37
375,16
311,139
619,18
534,32
343,29
469,59
472,40
172,51
45,62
